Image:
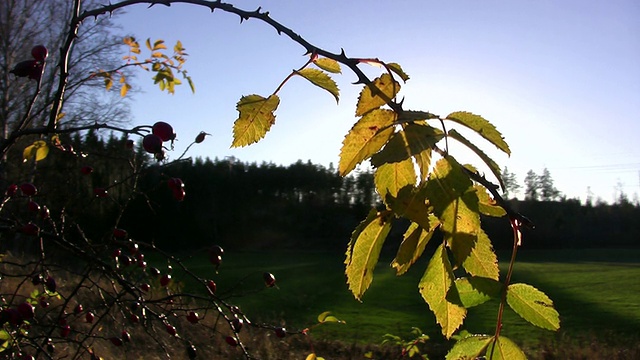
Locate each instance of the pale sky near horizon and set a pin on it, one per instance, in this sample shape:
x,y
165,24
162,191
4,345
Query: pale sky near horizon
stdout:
x,y
559,79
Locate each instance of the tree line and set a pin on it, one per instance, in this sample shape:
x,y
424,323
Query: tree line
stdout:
x,y
261,206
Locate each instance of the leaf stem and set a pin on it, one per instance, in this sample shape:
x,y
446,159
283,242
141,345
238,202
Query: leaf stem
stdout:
x,y
515,226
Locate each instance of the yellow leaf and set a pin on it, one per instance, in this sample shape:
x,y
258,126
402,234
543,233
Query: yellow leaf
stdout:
x,y
124,89
327,64
38,150
379,92
255,119
365,138
435,285
312,356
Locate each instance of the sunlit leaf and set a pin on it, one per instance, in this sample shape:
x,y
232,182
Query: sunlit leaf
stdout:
x,y
159,44
411,141
473,291
322,80
365,251
326,317
390,178
454,201
312,356
410,202
434,286
423,160
469,348
533,305
504,349
148,43
191,85
413,245
255,119
365,138
108,83
493,166
481,126
379,92
487,205
124,89
38,151
396,68
327,64
482,261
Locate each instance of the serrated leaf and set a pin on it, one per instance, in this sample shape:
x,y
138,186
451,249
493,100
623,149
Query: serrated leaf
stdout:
x,y
493,166
504,349
487,205
409,116
329,65
255,119
469,348
410,203
364,254
482,261
473,291
533,305
411,141
434,286
415,240
454,201
481,126
321,80
379,92
365,138
396,68
390,178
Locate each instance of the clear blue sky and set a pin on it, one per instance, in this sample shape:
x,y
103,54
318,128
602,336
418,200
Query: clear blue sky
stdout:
x,y
560,79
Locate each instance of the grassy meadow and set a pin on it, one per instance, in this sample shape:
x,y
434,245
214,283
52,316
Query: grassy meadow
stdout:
x,y
596,292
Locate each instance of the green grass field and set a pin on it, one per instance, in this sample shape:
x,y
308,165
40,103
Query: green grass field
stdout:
x,y
596,292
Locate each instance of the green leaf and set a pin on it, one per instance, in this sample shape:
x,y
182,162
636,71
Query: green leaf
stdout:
x,y
390,178
379,92
327,64
454,201
487,205
482,261
481,126
493,166
326,317
409,116
474,291
469,348
365,138
412,140
396,68
504,349
413,245
533,305
364,252
255,120
434,286
322,80
411,204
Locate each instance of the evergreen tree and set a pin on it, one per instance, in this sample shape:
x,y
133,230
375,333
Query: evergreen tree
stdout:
x,y
511,186
531,186
548,191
